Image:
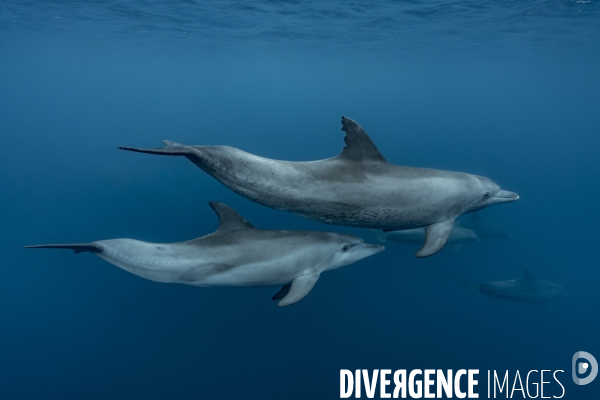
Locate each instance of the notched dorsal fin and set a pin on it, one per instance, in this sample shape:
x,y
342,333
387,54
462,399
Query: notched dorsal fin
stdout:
x,y
359,146
229,220
528,275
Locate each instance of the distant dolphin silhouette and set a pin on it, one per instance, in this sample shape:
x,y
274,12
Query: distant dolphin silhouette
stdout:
x,y
473,229
484,228
458,235
527,289
237,254
357,188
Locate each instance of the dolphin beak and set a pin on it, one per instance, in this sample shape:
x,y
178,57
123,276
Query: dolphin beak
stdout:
x,y
371,248
504,196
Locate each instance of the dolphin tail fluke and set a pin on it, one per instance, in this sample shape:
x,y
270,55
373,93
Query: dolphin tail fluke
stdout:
x,y
381,236
77,248
470,286
170,149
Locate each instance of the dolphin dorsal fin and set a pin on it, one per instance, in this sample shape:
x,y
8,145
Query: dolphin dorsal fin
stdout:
x,y
528,275
359,146
229,220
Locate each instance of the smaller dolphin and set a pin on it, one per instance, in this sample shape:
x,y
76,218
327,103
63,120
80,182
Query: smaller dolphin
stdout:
x,y
416,236
484,228
237,254
528,289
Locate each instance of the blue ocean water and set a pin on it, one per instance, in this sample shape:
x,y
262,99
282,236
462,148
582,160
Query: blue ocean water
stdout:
x,y
509,90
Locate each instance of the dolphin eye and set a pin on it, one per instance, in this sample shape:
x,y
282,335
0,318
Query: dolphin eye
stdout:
x,y
345,248
486,194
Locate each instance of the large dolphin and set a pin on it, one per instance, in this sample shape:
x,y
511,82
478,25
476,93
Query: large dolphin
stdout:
x,y
237,254
356,188
527,289
459,235
484,228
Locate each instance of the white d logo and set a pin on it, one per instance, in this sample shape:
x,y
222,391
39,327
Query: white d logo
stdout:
x,y
583,367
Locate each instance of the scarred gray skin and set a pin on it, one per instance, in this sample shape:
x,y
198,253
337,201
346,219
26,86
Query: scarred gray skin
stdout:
x,y
528,289
357,188
237,254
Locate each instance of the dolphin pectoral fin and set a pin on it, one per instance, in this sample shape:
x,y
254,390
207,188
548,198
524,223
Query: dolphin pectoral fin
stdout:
x,y
282,293
299,288
436,236
170,149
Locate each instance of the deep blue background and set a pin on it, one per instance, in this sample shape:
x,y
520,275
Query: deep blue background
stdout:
x,y
480,90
